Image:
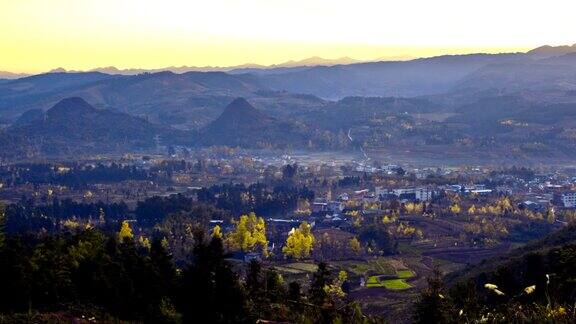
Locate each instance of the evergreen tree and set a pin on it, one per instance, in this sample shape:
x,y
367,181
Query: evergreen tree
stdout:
x,y
210,292
432,306
321,279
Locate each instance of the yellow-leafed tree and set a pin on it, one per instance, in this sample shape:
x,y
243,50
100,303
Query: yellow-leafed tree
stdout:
x,y
455,209
125,232
249,234
299,242
217,232
355,245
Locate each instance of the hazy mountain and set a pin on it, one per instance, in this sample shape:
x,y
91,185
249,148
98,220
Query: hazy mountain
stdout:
x,y
411,78
515,76
316,61
549,51
164,97
10,76
243,125
29,117
73,126
312,61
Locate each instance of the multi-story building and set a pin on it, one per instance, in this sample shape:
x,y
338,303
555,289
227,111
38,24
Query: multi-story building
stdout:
x,y
565,199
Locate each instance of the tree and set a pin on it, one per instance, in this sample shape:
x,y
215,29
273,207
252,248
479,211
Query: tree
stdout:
x,y
217,232
125,232
210,291
249,234
321,279
355,245
299,242
335,290
432,306
455,208
550,215
144,242
376,237
253,281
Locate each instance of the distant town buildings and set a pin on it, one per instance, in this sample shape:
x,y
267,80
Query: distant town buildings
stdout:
x,y
565,199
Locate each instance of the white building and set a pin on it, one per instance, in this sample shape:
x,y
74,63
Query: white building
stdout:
x,y
565,199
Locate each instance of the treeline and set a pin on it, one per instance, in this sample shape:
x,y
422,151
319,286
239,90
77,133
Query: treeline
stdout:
x,y
106,277
28,217
73,175
217,202
259,198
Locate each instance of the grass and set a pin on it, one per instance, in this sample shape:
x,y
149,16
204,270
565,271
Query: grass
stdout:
x,y
307,267
395,284
405,274
373,281
362,268
392,284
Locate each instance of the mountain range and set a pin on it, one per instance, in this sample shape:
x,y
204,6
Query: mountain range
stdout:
x,y
73,127
311,61
477,105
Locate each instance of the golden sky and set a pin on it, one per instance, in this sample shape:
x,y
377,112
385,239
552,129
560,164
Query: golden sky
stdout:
x,y
38,35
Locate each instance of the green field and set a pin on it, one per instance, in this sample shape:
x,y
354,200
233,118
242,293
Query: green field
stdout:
x,y
405,274
373,266
395,284
373,281
392,284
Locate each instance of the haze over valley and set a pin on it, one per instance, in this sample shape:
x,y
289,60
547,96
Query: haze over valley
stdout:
x,y
302,161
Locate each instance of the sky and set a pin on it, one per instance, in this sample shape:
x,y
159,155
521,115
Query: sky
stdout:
x,y
39,35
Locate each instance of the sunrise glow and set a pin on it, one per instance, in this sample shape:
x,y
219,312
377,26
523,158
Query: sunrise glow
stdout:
x,y
37,35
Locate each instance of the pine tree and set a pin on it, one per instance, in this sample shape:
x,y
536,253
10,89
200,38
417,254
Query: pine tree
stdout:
x,y
321,279
432,306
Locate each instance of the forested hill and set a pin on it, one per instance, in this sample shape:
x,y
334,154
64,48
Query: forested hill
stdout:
x,y
535,283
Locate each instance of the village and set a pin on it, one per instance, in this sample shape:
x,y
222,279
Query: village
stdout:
x,y
387,226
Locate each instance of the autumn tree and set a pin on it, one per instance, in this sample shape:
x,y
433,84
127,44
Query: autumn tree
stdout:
x,y
217,232
249,234
455,208
125,232
355,245
299,242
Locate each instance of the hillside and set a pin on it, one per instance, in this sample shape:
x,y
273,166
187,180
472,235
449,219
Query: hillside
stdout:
x,y
550,51
401,78
517,258
73,126
243,125
187,101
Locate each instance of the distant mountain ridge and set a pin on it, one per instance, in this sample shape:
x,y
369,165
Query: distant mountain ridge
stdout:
x,y
311,61
11,75
549,51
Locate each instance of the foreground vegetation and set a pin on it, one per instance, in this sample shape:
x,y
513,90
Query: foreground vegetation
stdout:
x,y
97,277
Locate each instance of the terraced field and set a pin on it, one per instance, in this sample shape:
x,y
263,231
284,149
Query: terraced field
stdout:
x,y
398,283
